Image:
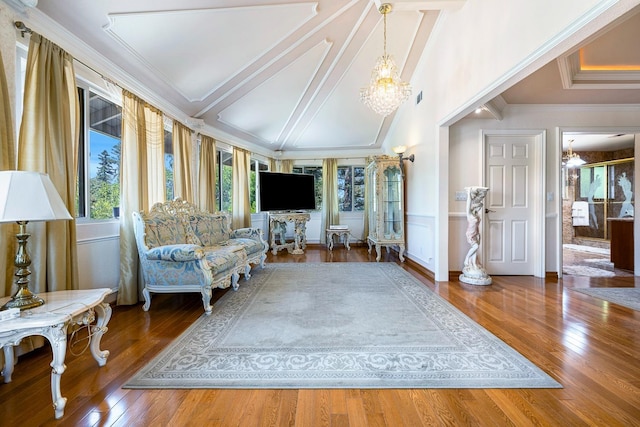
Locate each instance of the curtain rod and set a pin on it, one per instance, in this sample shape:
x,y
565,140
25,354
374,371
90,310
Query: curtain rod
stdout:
x,y
24,29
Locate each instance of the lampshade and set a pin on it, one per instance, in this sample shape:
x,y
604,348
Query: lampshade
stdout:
x,y
29,196
400,149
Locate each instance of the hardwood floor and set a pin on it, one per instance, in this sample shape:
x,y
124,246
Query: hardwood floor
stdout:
x,y
592,348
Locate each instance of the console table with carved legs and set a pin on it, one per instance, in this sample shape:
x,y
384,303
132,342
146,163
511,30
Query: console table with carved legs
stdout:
x,y
51,320
278,226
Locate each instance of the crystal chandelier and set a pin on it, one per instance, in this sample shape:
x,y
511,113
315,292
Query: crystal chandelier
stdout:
x,y
572,160
386,91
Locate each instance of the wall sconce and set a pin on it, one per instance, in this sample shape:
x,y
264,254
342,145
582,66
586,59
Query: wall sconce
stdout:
x,y
399,150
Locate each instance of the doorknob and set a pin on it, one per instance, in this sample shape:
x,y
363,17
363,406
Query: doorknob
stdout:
x,y
487,210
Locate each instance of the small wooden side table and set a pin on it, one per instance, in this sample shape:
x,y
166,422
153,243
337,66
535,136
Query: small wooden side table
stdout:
x,y
61,309
343,233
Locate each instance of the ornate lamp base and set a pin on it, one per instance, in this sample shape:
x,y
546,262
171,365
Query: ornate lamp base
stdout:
x,y
23,299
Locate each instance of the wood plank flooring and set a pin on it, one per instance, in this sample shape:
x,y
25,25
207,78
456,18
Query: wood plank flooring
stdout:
x,y
591,347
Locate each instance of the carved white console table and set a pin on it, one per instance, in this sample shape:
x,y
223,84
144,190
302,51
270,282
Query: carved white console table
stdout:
x,y
61,309
278,226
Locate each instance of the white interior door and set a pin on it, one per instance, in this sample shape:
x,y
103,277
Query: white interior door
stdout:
x,y
511,230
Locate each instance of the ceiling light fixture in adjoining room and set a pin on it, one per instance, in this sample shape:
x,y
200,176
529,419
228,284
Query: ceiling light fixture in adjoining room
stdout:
x,y
572,160
386,91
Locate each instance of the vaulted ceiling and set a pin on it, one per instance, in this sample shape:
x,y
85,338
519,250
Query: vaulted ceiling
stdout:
x,y
286,75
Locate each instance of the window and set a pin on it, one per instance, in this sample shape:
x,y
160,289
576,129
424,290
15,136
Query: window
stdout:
x,y
350,188
254,185
168,164
224,183
99,157
316,171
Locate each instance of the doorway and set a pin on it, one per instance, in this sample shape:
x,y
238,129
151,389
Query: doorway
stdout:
x,y
514,216
597,180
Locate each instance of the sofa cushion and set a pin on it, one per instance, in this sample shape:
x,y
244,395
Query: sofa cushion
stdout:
x,y
211,229
250,246
163,230
177,253
220,259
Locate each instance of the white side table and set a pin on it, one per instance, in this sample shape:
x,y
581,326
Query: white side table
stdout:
x,y
345,233
51,320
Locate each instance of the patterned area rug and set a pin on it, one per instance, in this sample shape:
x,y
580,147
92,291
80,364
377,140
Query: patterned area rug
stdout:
x,y
337,325
587,271
626,297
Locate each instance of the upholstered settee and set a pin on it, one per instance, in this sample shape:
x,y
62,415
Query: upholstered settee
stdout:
x,y
183,249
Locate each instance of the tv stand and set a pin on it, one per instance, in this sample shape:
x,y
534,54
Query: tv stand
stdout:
x,y
278,226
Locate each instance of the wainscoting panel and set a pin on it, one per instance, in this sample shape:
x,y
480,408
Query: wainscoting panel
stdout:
x,y
99,262
458,246
421,239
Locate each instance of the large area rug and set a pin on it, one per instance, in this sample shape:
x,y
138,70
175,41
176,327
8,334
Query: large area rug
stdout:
x,y
337,325
626,297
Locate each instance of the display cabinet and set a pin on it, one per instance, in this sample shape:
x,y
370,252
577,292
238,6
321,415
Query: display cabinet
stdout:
x,y
385,210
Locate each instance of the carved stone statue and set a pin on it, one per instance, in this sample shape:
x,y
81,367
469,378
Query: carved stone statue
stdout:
x,y
472,272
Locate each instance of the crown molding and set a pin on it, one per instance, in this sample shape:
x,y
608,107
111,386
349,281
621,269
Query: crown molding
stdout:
x,y
21,6
573,77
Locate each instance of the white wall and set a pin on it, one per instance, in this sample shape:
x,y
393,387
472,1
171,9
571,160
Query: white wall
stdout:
x,y
470,58
465,166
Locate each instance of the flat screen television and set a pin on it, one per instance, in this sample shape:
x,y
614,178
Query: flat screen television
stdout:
x,y
287,191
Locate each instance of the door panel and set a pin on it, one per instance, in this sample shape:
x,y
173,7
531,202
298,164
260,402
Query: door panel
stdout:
x,y
509,166
496,241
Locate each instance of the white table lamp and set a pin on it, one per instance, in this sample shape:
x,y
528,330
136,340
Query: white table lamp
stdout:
x,y
27,196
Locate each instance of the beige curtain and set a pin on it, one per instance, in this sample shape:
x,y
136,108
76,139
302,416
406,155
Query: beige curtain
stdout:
x,y
48,143
142,182
241,206
7,162
272,164
330,214
284,166
207,175
182,156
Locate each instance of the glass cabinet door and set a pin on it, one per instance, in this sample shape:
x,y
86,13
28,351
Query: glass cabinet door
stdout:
x,y
392,203
373,202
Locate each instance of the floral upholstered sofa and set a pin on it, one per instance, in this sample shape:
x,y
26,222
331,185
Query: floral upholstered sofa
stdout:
x,y
183,249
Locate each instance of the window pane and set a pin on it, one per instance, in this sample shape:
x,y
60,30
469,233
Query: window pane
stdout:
x,y
316,171
344,189
105,123
253,183
226,181
168,164
358,188
81,182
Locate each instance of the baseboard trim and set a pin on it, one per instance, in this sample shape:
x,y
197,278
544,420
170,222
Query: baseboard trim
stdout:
x,y
421,269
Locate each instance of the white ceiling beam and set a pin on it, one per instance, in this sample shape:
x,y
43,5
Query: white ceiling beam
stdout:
x,y
422,4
